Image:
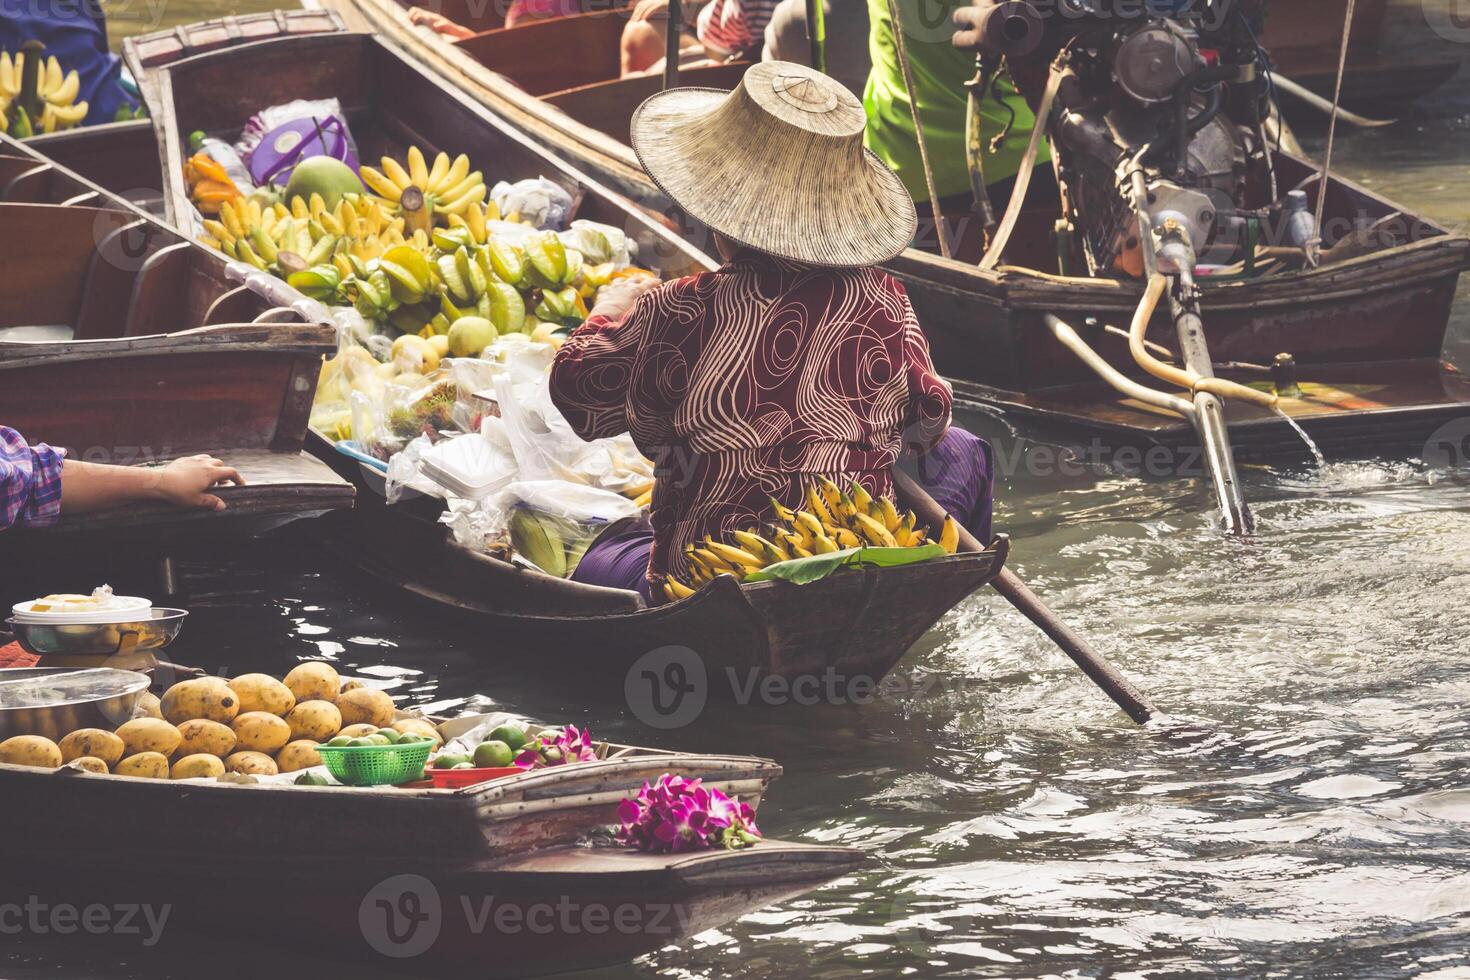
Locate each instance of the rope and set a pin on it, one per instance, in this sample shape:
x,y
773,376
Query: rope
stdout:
x,y
1315,245
908,84
1023,175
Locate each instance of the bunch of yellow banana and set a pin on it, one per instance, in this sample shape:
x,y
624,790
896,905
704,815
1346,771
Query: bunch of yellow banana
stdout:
x,y
358,228
832,520
56,96
445,188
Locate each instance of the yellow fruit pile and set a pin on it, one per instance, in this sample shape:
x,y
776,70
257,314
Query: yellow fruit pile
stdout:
x,y
253,724
307,235
56,94
832,521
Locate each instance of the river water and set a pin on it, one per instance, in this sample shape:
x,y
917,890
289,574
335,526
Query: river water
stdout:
x,y
1305,813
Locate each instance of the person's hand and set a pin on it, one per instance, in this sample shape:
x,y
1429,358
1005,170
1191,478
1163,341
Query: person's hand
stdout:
x,y
618,296
437,23
184,481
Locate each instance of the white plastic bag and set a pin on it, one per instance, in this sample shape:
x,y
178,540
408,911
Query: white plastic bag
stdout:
x,y
543,203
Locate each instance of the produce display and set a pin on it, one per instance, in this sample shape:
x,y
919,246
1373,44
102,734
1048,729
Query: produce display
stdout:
x,y
833,521
253,725
36,96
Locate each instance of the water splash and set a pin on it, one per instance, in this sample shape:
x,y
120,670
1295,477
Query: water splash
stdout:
x,y
1316,453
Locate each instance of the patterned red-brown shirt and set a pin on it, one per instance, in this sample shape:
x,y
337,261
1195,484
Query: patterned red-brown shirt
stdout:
x,y
742,383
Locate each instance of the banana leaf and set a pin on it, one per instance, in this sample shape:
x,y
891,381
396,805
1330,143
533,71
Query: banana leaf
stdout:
x,y
802,571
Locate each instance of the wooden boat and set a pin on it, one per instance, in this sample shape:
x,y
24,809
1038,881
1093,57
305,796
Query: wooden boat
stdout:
x,y
1304,38
306,866
868,619
1366,333
128,344
123,157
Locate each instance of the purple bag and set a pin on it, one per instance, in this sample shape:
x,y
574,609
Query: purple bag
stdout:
x,y
282,148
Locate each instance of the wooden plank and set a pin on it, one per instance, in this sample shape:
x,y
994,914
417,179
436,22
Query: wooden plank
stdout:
x,y
608,105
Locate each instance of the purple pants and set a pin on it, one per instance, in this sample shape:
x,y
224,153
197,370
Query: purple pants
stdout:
x,y
959,474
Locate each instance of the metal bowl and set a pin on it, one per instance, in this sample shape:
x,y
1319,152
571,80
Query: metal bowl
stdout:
x,y
153,632
120,691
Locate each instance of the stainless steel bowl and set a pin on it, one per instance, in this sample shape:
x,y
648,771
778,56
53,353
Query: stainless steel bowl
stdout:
x,y
118,694
153,632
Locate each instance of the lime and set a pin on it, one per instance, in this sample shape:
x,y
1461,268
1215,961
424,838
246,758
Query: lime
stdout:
x,y
493,754
393,737
358,743
449,761
465,765
310,779
512,735
340,741
377,738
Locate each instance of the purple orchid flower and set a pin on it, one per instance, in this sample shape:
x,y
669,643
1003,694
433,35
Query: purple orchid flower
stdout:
x,y
569,745
674,814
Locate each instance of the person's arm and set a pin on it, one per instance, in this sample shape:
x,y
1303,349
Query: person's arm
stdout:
x,y
930,399
592,373
183,483
30,482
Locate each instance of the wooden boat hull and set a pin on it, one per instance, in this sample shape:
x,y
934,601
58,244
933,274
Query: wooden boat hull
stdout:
x,y
561,909
854,626
317,868
1304,38
1374,324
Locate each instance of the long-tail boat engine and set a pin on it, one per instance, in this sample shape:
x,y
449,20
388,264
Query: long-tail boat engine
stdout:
x,y
1157,112
1178,98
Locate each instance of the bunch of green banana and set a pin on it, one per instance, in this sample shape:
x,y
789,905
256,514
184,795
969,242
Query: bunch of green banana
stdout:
x,y
44,103
549,263
421,191
832,520
551,543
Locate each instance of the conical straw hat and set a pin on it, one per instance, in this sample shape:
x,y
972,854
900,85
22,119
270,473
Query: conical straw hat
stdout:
x,y
778,165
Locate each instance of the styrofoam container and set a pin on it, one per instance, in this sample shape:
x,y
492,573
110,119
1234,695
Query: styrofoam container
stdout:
x,y
123,609
470,467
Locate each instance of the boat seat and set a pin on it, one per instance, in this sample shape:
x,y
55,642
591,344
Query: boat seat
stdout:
x,y
607,106
534,56
161,280
112,277
53,265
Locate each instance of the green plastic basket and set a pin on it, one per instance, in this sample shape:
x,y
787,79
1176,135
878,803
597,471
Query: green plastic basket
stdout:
x,y
376,765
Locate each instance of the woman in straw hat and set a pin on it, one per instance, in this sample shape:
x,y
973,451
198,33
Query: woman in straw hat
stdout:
x,y
794,359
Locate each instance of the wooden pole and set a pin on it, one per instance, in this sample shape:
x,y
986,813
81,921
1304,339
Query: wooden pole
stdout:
x,y
908,84
673,35
816,32
1098,670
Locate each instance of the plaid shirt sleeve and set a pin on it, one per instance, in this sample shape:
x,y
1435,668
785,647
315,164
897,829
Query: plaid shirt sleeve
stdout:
x,y
30,482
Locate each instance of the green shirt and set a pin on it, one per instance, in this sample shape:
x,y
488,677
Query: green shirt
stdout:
x,y
940,72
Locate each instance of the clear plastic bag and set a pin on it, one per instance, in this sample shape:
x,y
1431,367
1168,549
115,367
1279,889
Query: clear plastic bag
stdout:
x,y
405,472
600,244
51,690
541,202
553,523
546,447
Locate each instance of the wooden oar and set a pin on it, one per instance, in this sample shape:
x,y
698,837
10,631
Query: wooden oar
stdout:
x,y
1099,671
